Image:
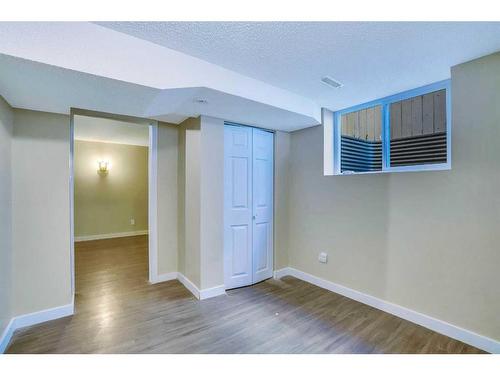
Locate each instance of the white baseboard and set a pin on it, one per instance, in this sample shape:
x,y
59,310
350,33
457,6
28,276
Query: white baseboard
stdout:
x,y
6,335
458,333
199,294
278,274
165,277
203,293
66,310
189,285
110,235
26,320
215,291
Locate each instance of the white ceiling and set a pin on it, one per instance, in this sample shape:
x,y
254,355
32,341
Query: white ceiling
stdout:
x,y
59,58
265,74
372,59
42,87
110,131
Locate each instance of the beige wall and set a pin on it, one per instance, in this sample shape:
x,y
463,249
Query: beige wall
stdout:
x,y
167,198
427,241
181,198
6,121
212,202
201,200
281,198
189,199
201,194
40,211
104,204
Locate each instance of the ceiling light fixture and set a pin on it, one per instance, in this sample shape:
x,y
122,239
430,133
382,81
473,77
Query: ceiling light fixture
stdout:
x,y
331,82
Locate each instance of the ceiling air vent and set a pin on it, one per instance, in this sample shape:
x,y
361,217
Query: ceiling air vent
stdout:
x,y
331,82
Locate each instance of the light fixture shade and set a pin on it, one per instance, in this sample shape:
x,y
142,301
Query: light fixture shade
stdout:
x,y
103,167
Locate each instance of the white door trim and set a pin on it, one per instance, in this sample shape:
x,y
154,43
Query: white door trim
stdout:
x,y
152,188
260,275
72,201
153,202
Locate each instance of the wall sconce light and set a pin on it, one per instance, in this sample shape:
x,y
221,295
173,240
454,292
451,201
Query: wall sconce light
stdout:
x,y
103,168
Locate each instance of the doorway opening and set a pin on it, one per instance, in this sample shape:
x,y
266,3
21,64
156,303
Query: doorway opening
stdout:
x,y
113,168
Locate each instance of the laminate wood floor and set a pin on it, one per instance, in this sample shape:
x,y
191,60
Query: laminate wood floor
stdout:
x,y
118,311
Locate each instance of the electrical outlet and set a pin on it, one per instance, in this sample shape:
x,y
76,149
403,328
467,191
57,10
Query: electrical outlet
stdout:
x,y
132,221
323,257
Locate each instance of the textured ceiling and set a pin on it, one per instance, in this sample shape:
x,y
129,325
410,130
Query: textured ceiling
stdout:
x,y
53,66
42,87
110,131
264,74
371,59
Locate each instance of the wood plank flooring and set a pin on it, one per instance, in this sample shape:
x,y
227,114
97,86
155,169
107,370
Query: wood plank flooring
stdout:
x,y
118,311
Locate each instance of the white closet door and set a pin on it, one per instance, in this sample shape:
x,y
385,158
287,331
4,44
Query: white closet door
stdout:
x,y
263,154
237,206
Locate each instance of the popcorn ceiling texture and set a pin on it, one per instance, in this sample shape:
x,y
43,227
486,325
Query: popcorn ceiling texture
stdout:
x,y
51,66
372,59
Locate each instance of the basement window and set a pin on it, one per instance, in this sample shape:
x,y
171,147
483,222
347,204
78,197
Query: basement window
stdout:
x,y
409,131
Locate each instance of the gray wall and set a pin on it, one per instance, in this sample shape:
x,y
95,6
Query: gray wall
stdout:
x,y
6,121
428,241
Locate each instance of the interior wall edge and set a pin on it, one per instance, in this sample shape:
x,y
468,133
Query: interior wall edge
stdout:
x,y
211,203
41,255
168,198
282,141
189,199
6,247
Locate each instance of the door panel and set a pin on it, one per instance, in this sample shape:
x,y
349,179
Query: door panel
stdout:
x,y
240,172
237,206
240,249
262,159
261,238
248,205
